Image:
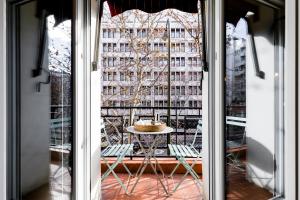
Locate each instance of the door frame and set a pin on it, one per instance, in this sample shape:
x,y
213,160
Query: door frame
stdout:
x,y
216,100
3,101
215,85
86,117
290,95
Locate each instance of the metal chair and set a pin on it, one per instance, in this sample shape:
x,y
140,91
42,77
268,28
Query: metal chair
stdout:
x,y
116,150
235,147
181,152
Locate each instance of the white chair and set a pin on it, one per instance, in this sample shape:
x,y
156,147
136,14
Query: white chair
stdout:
x,y
181,152
116,150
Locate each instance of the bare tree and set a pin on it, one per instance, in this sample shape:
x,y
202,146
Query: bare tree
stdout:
x,y
142,66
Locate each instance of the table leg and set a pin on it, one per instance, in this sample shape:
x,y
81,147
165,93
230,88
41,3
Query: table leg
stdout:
x,y
148,155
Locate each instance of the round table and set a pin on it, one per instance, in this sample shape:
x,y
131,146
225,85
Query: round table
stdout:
x,y
149,153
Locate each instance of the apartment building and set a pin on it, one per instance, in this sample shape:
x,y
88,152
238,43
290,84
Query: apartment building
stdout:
x,y
236,76
137,52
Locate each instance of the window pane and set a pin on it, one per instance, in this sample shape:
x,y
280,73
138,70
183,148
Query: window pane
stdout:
x,y
46,134
252,135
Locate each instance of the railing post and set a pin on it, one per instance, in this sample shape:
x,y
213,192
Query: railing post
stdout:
x,y
130,117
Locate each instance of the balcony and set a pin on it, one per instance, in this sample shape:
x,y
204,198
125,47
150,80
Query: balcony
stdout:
x,y
183,120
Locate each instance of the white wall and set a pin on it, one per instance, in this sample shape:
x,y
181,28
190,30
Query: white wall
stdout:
x,y
35,107
260,95
2,99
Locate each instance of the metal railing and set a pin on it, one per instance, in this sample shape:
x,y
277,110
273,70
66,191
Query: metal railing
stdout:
x,y
60,125
183,119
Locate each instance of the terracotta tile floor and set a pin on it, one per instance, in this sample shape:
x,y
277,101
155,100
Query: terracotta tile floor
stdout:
x,y
239,188
149,188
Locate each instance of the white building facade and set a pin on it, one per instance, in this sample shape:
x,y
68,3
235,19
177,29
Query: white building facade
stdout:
x,y
134,61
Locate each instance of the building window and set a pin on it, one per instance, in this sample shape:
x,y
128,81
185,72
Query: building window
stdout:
x,y
194,90
156,90
182,76
192,47
192,32
142,33
172,33
111,61
165,90
172,90
111,33
178,90
127,47
105,33
173,62
173,46
131,92
131,76
172,76
110,78
177,62
126,33
194,62
182,62
182,47
177,33
160,90
122,76
122,47
182,90
190,91
105,47
104,76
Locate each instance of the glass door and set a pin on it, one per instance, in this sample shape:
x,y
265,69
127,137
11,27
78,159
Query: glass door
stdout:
x,y
41,137
253,121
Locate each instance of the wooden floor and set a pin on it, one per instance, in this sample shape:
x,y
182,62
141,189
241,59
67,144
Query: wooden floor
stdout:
x,y
150,189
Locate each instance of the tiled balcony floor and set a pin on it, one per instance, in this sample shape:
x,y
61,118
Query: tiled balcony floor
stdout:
x,y
239,188
149,188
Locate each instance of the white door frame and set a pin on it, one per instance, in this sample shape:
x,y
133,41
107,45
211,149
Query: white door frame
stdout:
x,y
290,95
81,93
3,96
215,99
82,88
86,115
216,102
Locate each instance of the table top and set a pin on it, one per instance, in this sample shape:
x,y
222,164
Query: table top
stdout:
x,y
167,130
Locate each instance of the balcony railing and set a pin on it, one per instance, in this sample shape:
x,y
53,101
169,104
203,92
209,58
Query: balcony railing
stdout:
x,y
183,119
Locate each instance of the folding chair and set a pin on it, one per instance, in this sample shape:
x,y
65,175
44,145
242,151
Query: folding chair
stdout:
x,y
117,150
181,152
235,147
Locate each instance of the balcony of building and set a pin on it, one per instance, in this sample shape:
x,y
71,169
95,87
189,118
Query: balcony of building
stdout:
x,y
184,121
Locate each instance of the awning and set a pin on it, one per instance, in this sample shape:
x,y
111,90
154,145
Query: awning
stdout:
x,y
150,6
60,9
